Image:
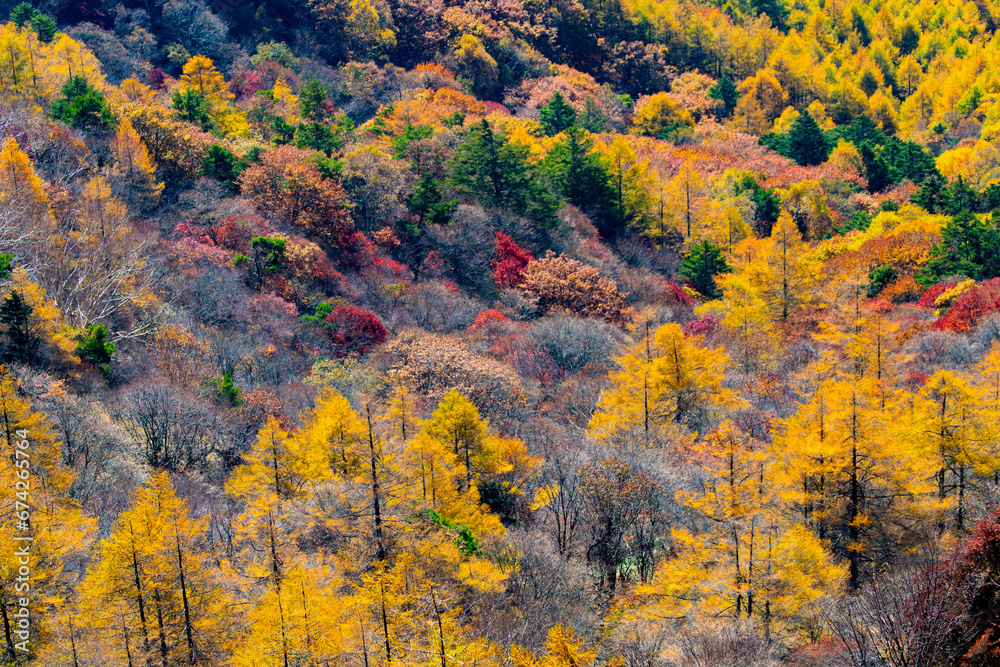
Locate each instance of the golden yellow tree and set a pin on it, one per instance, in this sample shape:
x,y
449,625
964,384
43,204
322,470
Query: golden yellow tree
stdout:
x,y
663,380
745,558
133,169
154,594
26,222
957,428
42,525
854,468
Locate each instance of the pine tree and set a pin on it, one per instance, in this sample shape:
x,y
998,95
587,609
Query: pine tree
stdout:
x,y
701,265
725,91
429,205
495,170
557,115
806,143
576,172
193,107
312,101
83,107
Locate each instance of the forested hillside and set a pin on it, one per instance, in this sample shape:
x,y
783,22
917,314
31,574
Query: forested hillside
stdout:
x,y
509,333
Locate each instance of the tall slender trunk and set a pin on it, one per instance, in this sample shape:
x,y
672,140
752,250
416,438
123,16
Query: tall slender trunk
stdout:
x,y
380,551
188,629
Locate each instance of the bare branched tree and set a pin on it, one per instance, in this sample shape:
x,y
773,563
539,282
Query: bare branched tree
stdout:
x,y
908,619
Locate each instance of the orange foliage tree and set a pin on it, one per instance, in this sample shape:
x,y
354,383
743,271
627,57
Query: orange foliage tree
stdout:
x,y
288,186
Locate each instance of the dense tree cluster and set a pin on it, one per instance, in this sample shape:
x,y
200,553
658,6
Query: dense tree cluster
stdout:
x,y
397,333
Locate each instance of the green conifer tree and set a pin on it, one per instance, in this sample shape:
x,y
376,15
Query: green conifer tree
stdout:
x,y
806,143
557,115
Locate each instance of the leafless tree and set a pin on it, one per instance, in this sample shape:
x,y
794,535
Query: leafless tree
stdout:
x,y
173,429
913,618
724,645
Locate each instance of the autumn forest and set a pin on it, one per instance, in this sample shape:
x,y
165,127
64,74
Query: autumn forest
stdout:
x,y
506,333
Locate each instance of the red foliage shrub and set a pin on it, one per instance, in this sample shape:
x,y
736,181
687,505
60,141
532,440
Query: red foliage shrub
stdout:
x,y
488,319
971,307
914,380
236,231
431,266
245,84
492,107
511,261
156,78
676,294
354,330
702,327
878,305
927,298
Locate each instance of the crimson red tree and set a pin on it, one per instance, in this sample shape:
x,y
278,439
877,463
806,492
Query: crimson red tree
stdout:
x,y
510,262
354,330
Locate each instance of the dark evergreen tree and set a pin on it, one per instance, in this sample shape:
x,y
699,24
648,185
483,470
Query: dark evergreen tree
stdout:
x,y
318,137
878,279
701,265
766,200
222,164
83,107
933,194
15,313
969,246
576,172
961,198
429,205
497,173
774,9
557,115
284,132
44,26
727,94
806,143
592,120
875,168
93,345
312,101
191,106
21,15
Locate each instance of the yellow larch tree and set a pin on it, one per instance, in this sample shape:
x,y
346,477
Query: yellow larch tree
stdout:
x,y
334,427
789,277
663,379
26,221
287,103
857,470
42,525
154,594
745,558
630,182
743,310
687,190
957,428
100,271
281,471
200,75
133,170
